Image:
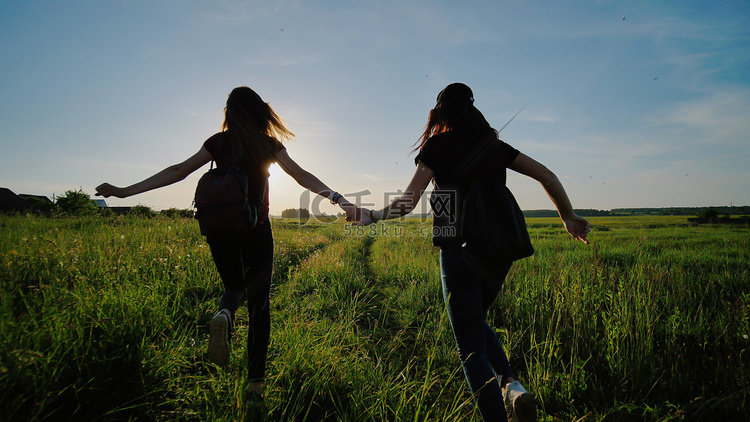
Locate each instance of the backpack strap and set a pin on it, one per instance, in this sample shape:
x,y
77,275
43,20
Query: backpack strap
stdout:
x,y
473,159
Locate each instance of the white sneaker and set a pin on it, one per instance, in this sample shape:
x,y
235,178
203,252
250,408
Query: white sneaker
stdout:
x,y
519,404
218,340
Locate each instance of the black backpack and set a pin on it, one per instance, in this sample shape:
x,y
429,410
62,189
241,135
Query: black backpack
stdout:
x,y
484,217
221,202
492,224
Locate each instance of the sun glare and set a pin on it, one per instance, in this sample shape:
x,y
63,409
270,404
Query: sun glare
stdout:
x,y
274,172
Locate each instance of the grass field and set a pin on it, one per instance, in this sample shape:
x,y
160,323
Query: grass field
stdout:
x,y
105,319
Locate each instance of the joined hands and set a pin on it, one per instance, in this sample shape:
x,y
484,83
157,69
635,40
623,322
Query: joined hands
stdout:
x,y
356,215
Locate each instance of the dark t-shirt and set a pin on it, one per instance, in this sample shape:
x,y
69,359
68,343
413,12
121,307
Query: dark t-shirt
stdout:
x,y
455,160
449,154
257,171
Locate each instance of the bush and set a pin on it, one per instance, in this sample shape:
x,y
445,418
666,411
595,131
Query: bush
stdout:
x,y
708,213
142,211
40,206
178,213
106,212
76,202
301,213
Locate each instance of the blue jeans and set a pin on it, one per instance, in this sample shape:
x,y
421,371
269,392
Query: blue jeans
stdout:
x,y
469,288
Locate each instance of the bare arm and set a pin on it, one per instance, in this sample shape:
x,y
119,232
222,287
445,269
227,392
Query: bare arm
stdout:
x,y
310,181
405,203
169,175
305,179
577,227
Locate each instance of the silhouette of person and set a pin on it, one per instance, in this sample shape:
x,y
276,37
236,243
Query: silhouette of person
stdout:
x,y
252,135
455,131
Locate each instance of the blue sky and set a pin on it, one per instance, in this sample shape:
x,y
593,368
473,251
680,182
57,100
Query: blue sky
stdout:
x,y
631,104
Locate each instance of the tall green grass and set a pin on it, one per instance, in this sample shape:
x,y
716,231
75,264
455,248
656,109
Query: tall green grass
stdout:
x,y
105,319
649,322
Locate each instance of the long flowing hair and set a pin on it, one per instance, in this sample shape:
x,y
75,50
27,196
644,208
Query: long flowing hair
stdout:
x,y
250,124
463,118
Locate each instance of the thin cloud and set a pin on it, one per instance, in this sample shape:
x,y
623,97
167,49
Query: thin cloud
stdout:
x,y
309,123
540,117
372,177
718,119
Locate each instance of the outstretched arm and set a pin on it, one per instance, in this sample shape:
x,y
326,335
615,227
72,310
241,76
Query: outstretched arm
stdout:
x,y
169,175
310,181
405,203
577,227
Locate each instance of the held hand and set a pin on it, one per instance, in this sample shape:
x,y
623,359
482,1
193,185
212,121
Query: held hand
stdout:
x,y
352,212
578,227
365,218
106,190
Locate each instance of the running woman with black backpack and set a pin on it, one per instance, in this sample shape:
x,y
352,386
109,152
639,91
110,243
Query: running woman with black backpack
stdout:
x,y
251,138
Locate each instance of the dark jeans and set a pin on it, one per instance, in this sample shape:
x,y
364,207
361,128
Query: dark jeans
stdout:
x,y
245,266
468,294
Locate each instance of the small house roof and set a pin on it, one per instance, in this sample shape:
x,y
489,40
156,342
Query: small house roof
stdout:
x,y
9,201
37,197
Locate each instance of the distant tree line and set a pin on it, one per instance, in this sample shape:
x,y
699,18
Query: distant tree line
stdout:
x,y
720,210
618,212
300,213
553,213
79,203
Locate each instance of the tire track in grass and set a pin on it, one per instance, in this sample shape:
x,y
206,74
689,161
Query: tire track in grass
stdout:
x,y
294,244
318,357
328,277
421,374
